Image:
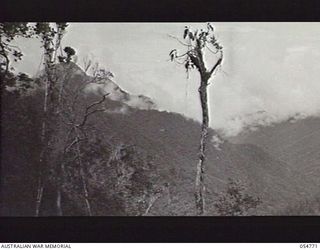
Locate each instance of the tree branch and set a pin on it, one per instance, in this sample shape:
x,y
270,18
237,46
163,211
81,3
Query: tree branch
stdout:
x,y
88,113
214,52
76,140
197,60
184,44
217,64
97,103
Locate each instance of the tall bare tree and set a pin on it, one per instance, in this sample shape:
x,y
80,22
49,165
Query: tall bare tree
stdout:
x,y
50,35
198,44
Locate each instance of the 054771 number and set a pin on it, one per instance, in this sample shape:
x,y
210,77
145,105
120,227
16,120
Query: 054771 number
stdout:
x,y
310,245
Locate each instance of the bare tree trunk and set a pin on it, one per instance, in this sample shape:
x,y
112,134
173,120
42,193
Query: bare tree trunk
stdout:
x,y
83,179
41,160
85,192
200,187
169,195
59,185
40,183
39,195
50,50
59,208
151,202
45,139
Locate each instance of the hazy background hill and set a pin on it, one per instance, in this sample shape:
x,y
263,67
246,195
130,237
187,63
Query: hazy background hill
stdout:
x,y
296,142
137,154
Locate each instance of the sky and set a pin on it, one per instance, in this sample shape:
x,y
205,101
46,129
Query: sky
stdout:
x,y
270,71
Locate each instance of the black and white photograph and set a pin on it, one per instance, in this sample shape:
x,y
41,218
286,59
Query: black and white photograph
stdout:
x,y
160,119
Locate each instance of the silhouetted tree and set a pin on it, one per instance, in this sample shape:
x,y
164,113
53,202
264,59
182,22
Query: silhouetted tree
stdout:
x,y
198,43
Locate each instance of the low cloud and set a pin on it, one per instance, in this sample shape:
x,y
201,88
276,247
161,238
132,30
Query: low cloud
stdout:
x,y
270,67
117,94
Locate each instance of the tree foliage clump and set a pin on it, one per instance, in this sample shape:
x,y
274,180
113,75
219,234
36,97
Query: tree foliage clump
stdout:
x,y
70,52
198,42
19,84
8,33
235,201
50,35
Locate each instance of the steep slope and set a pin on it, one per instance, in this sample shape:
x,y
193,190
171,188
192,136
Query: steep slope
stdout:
x,y
71,76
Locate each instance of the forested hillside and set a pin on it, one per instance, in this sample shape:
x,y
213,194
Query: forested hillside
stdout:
x,y
132,159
